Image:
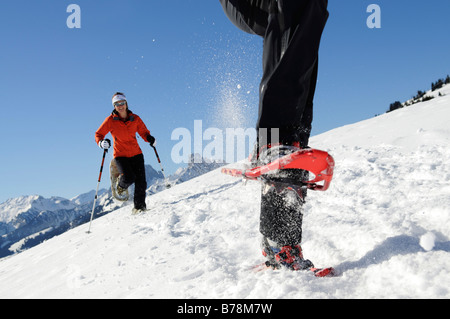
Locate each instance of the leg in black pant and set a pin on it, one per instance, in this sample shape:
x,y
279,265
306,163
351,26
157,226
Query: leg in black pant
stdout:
x,y
290,57
292,30
132,170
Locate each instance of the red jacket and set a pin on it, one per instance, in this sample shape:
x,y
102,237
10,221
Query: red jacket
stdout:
x,y
123,133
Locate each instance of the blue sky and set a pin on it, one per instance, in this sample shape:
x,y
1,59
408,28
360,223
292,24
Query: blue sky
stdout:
x,y
180,61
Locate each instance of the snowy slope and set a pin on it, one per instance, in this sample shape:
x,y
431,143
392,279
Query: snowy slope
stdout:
x,y
27,221
383,224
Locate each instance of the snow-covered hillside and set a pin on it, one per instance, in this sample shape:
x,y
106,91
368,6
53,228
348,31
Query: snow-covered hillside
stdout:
x,y
383,224
29,220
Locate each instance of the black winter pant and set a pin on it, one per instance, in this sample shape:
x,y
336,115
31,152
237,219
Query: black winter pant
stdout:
x,y
291,30
133,170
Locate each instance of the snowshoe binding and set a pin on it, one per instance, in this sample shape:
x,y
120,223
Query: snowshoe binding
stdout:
x,y
119,193
290,257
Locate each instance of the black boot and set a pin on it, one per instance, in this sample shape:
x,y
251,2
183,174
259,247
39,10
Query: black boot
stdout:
x,y
289,256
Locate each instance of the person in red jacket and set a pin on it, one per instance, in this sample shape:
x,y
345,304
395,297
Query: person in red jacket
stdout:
x,y
123,126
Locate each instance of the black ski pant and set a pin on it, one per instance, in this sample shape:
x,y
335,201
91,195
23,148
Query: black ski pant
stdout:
x,y
291,30
132,170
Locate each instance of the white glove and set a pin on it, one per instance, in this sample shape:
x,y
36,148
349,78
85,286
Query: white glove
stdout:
x,y
105,144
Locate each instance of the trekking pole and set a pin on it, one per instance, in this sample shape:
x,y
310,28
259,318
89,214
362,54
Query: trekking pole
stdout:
x,y
162,169
96,192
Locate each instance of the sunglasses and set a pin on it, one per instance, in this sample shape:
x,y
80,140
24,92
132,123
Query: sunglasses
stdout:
x,y
120,103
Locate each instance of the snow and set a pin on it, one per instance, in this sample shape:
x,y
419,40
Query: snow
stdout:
x,y
427,241
383,225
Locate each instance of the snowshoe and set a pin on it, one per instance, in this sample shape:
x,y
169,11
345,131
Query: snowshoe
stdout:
x,y
274,161
137,211
118,192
